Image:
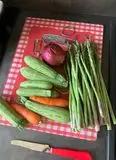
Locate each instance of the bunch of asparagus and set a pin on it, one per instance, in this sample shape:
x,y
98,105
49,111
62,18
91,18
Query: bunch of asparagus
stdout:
x,y
89,103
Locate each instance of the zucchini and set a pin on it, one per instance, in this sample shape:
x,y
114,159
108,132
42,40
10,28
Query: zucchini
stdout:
x,y
53,113
36,84
32,74
42,67
27,92
11,115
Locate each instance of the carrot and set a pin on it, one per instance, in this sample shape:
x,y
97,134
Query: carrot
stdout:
x,y
60,102
30,116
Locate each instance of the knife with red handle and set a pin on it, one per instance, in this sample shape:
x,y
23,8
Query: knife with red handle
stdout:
x,y
65,153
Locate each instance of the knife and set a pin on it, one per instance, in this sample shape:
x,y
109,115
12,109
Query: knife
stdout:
x,y
65,153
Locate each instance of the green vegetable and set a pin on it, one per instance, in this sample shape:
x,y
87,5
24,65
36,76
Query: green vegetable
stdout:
x,y
42,67
88,98
36,84
11,115
53,113
27,92
90,93
32,74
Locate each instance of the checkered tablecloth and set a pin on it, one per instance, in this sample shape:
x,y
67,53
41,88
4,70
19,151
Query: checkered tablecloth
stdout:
x,y
30,26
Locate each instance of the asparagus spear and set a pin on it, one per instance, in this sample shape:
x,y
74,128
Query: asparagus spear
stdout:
x,y
74,79
91,96
88,93
102,89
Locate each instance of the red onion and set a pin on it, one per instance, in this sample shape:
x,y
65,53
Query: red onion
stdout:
x,y
54,54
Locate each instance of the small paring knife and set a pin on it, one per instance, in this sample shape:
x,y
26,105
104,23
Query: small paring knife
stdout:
x,y
65,153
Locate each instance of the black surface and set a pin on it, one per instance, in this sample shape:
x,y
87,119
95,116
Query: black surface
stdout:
x,y
93,7
8,152
103,148
112,58
7,21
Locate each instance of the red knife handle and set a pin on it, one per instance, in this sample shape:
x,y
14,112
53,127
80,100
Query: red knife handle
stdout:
x,y
73,154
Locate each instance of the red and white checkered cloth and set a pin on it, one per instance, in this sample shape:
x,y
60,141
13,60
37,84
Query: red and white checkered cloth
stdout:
x,y
23,46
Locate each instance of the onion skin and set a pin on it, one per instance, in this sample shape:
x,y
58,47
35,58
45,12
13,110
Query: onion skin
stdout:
x,y
54,54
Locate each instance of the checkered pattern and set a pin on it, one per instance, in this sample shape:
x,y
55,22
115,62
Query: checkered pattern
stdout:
x,y
50,126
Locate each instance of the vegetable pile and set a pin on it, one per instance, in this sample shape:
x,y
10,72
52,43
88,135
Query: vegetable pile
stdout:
x,y
89,103
41,97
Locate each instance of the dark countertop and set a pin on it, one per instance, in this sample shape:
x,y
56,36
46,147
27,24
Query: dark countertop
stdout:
x,y
96,7
102,149
8,152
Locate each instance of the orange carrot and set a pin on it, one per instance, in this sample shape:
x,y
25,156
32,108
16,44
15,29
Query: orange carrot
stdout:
x,y
60,102
30,116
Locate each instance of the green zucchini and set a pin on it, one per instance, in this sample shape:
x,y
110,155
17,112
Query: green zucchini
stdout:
x,y
36,84
53,113
32,74
11,115
27,92
42,67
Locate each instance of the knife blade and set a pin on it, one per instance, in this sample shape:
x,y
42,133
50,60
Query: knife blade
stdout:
x,y
31,145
